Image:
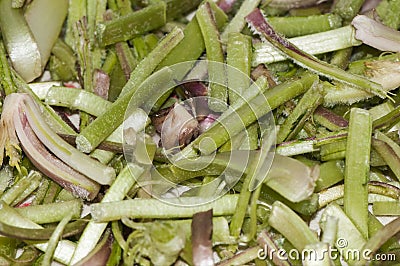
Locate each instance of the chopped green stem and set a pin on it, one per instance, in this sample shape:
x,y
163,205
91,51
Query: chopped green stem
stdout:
x,y
329,119
232,124
356,175
347,9
298,26
239,55
175,8
317,43
387,208
6,80
387,121
77,99
18,188
290,225
252,231
379,238
53,241
71,229
341,58
52,212
10,216
154,208
237,24
331,173
131,25
258,23
388,150
296,147
192,45
41,191
303,110
76,11
241,208
55,191
216,91
126,59
63,52
117,192
113,117
333,193
19,41
388,12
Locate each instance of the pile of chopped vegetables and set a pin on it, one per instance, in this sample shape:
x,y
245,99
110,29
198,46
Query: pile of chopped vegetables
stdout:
x,y
189,132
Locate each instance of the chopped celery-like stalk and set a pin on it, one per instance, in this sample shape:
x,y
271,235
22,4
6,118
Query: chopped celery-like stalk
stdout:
x,y
216,91
45,19
317,43
131,25
22,48
154,208
18,188
113,117
289,224
356,173
53,241
239,55
52,212
299,26
192,45
389,150
118,190
237,24
303,110
249,112
259,24
387,208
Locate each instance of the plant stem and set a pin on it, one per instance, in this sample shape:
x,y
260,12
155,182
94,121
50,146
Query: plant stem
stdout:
x,y
104,125
154,208
258,23
317,43
131,25
232,124
53,241
356,174
217,91
387,208
303,110
118,190
237,23
192,45
298,26
52,212
290,225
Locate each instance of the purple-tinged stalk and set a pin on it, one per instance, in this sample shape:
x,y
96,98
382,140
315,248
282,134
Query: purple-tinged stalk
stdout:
x,y
21,122
202,228
259,25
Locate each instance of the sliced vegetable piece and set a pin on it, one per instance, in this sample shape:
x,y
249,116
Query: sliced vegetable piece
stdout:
x,y
357,166
260,26
20,43
45,19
